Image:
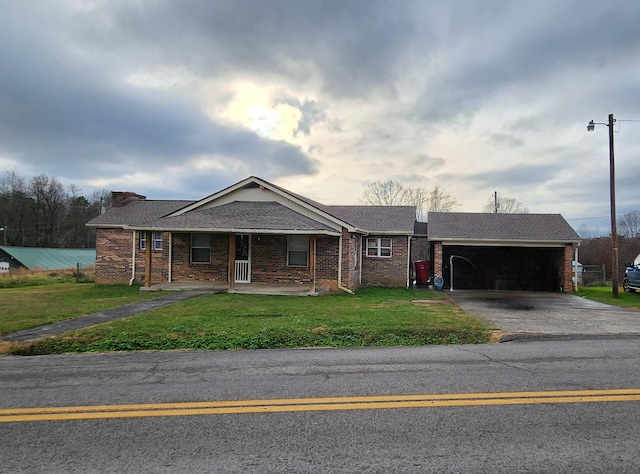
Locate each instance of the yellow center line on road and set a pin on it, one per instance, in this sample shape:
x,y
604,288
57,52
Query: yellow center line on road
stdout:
x,y
13,415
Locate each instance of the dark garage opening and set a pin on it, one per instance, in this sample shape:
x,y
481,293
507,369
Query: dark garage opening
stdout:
x,y
503,268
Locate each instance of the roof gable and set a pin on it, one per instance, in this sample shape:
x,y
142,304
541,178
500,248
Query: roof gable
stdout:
x,y
239,216
254,189
253,204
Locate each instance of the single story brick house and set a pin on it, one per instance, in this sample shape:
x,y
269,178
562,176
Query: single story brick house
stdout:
x,y
257,232
253,232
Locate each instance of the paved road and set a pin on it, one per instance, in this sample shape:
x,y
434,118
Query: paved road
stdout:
x,y
550,437
536,314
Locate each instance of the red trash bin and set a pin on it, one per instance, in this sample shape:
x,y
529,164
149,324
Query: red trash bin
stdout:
x,y
422,272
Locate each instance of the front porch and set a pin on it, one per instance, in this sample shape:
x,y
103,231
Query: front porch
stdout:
x,y
240,288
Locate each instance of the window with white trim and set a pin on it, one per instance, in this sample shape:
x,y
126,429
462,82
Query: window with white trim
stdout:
x,y
200,248
298,250
156,238
378,247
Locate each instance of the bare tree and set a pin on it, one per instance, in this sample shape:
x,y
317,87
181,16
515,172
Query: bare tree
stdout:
x,y
504,205
16,208
384,193
50,200
439,201
392,193
629,224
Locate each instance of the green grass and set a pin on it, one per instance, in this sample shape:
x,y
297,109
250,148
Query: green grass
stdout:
x,y
32,306
371,317
603,294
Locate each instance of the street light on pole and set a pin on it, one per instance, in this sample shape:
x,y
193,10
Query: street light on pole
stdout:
x,y
612,189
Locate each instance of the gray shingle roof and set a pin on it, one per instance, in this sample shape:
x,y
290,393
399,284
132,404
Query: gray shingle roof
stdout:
x,y
398,219
137,212
496,227
243,215
255,215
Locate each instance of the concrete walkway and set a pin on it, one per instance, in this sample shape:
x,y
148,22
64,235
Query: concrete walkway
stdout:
x,y
107,315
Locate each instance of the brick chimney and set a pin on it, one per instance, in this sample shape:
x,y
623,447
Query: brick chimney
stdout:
x,y
120,198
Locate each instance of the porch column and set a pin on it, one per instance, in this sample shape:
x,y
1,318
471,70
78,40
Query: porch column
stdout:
x,y
147,259
312,263
232,262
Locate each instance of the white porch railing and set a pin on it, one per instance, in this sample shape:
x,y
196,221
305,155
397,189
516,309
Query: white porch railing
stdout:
x,y
242,272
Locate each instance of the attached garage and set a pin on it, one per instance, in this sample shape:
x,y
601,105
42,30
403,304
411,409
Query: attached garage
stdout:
x,y
527,252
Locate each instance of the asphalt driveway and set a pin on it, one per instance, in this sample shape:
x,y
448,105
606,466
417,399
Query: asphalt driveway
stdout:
x,y
516,314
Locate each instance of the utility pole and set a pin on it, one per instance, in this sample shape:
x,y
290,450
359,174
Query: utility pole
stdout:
x,y
614,226
495,202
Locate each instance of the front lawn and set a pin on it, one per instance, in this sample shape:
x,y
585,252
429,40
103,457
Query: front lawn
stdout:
x,y
603,294
371,317
32,306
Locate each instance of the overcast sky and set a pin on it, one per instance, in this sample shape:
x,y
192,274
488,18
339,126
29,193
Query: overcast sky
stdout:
x,y
179,99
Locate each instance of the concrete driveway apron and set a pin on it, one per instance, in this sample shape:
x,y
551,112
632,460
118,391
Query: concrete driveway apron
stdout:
x,y
517,315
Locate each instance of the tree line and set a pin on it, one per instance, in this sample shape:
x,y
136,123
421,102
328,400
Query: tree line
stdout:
x,y
41,212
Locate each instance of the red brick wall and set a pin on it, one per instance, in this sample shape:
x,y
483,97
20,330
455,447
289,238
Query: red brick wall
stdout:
x,y
113,258
183,270
567,273
386,271
350,260
327,262
268,261
437,259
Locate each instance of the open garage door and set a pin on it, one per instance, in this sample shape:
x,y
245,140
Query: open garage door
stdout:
x,y
503,268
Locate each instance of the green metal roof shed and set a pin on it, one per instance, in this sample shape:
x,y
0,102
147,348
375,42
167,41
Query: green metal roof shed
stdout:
x,y
47,259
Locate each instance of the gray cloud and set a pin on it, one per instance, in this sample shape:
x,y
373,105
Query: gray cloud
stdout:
x,y
506,140
525,177
353,45
511,44
508,85
61,110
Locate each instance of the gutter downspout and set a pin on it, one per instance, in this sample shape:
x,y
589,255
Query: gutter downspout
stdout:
x,y
340,287
408,261
170,256
575,271
133,258
313,286
360,260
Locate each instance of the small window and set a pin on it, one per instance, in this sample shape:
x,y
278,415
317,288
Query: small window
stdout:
x,y
298,250
379,247
200,248
155,236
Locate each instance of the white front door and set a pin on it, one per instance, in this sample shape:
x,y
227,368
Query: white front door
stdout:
x,y
243,259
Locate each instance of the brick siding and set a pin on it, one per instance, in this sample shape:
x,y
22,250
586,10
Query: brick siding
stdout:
x,y
327,262
182,269
113,256
567,283
268,261
386,271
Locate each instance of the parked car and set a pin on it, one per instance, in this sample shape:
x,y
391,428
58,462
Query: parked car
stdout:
x,y
631,282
